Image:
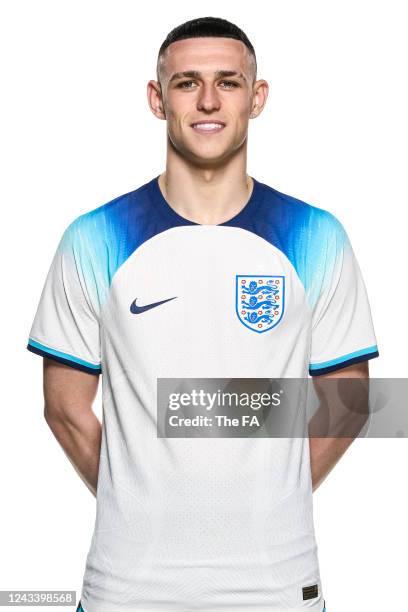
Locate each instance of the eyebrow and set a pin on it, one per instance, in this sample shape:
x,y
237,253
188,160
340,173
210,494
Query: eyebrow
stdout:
x,y
196,74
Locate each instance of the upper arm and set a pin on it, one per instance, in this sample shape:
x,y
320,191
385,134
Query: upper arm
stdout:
x,y
65,330
67,391
66,325
344,404
342,335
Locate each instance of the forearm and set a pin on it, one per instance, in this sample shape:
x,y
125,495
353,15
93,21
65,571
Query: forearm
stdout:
x,y
324,454
80,438
341,415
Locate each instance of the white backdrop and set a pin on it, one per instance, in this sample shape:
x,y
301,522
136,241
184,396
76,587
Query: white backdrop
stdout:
x,y
76,132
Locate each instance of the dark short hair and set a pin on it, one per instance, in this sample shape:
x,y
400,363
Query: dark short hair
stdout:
x,y
203,27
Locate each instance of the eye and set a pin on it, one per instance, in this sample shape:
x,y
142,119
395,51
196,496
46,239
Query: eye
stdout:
x,y
181,85
230,83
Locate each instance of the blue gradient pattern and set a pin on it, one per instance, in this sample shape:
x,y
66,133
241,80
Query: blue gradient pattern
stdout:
x,y
104,238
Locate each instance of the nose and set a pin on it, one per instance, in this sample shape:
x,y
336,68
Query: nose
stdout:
x,y
208,99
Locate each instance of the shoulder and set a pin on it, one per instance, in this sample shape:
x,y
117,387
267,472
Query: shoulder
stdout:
x,y
99,241
298,207
109,220
299,222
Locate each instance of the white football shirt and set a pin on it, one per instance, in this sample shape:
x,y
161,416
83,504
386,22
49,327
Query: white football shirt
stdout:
x,y
136,292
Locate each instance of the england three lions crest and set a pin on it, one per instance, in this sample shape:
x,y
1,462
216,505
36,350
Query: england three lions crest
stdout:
x,y
260,301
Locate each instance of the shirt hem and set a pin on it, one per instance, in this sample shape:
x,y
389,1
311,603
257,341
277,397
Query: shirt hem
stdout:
x,y
89,607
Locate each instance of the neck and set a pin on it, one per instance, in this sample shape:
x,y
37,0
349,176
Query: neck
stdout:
x,y
206,195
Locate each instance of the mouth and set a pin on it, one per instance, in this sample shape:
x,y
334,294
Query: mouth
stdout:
x,y
208,127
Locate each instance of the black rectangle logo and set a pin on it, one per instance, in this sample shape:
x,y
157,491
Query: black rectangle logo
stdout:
x,y
310,592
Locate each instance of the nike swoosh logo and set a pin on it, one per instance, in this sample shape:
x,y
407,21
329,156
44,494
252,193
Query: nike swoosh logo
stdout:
x,y
134,309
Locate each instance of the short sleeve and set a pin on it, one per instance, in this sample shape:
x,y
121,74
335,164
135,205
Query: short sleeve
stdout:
x,y
66,323
342,326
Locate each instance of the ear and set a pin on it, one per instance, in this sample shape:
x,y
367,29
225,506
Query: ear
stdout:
x,y
155,99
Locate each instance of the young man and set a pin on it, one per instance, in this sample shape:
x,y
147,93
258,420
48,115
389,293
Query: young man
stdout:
x,y
165,282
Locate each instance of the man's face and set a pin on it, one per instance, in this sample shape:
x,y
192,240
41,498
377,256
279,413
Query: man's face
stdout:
x,y
207,95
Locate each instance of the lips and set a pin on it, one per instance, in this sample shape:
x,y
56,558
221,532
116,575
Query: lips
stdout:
x,y
208,127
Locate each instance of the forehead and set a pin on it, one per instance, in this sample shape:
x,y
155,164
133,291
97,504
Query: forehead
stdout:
x,y
206,54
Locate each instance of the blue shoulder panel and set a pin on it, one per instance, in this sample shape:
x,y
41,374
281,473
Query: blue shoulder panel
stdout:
x,y
104,238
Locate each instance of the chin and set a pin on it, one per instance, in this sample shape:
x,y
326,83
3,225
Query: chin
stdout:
x,y
210,157
211,153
